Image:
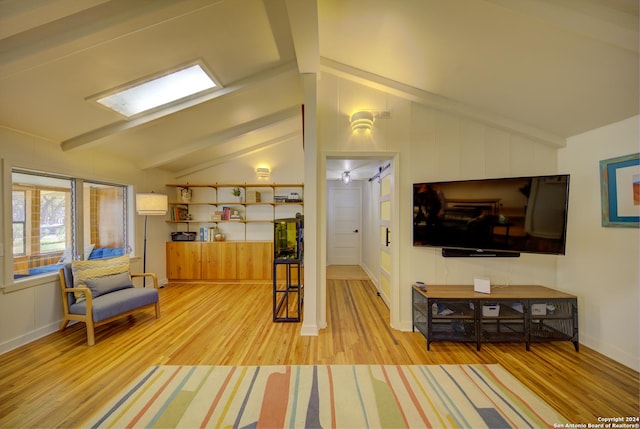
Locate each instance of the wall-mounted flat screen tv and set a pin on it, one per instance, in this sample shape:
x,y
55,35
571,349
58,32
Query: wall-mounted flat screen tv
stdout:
x,y
492,217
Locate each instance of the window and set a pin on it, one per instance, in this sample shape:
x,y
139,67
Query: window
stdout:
x,y
57,219
105,217
19,222
53,220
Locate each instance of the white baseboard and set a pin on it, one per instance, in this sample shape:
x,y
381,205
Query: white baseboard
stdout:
x,y
14,343
406,326
309,330
625,357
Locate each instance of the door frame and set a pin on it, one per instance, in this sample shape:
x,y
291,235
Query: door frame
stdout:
x,y
394,304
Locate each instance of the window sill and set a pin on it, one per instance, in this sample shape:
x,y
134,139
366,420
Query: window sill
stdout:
x,y
30,282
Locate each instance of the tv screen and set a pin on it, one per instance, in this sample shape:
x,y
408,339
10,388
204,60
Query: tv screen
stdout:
x,y
506,215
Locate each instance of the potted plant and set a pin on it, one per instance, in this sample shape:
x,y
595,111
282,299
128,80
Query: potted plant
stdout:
x,y
236,192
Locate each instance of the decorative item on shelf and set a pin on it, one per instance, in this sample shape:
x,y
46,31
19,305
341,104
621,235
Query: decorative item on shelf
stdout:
x,y
235,215
183,236
236,192
216,233
293,197
216,216
186,194
253,197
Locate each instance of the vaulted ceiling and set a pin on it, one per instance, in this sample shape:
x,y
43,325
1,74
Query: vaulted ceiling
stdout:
x,y
557,67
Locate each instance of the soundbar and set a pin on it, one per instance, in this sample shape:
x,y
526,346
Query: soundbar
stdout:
x,y
477,253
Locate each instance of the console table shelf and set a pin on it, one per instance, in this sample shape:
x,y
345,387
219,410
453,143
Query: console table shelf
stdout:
x,y
508,314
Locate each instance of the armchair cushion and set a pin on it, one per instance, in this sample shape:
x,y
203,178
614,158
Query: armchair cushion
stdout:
x,y
118,302
94,268
106,252
106,284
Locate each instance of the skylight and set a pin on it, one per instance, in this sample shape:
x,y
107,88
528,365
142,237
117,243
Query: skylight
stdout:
x,y
158,92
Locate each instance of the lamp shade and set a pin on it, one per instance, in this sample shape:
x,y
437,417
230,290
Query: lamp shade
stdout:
x,y
151,204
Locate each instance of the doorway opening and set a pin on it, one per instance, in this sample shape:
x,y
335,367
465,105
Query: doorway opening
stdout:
x,y
352,221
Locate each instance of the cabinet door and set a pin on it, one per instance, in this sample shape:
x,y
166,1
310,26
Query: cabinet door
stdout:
x,y
183,260
255,260
219,261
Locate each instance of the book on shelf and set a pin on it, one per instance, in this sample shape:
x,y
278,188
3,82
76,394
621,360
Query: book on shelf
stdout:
x,y
180,213
207,233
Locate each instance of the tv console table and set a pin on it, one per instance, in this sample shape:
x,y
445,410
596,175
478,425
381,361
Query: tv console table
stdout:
x,y
511,313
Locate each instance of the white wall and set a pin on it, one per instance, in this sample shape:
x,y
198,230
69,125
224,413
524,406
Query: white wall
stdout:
x,y
601,265
449,147
433,145
31,312
286,162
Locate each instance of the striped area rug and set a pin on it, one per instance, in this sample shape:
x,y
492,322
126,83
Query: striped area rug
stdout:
x,y
327,396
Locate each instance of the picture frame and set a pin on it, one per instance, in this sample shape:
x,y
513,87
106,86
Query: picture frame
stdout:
x,y
620,191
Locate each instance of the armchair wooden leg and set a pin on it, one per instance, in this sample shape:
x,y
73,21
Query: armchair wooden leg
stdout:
x,y
63,324
91,336
157,309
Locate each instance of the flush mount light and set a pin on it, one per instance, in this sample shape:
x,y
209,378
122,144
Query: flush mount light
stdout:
x,y
159,91
361,120
346,178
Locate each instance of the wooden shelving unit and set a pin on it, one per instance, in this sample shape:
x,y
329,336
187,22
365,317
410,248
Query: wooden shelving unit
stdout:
x,y
256,217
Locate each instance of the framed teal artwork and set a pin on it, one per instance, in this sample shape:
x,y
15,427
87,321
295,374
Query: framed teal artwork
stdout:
x,y
620,190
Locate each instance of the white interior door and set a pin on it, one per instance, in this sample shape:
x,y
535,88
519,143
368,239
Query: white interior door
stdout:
x,y
344,218
386,239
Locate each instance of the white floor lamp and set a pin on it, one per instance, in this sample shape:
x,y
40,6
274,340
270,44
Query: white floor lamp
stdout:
x,y
150,204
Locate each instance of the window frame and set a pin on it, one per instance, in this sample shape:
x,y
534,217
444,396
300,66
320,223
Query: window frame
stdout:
x,y
23,222
76,208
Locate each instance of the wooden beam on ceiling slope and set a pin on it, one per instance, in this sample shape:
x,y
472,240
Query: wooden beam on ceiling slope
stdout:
x,y
438,102
124,125
241,153
221,137
303,19
44,42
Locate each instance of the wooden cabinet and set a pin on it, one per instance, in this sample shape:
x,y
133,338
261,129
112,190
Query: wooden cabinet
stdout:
x,y
254,260
219,260
184,260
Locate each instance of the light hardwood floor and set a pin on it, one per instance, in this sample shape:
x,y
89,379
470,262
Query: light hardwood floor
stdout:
x,y
58,381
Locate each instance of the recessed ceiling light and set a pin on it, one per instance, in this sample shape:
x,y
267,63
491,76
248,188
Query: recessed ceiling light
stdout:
x,y
158,92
